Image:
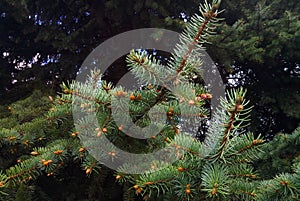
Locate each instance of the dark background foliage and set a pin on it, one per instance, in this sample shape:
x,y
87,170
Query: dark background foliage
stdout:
x,y
258,46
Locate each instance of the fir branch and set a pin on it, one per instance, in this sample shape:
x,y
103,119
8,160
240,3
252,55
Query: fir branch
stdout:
x,y
84,97
229,126
42,159
209,15
249,193
187,150
147,69
254,143
236,115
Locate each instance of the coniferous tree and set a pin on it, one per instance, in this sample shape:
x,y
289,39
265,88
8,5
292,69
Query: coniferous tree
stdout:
x,y
220,168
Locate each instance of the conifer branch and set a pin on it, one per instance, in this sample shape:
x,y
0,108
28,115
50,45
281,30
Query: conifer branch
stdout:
x,y
210,14
254,143
249,193
229,126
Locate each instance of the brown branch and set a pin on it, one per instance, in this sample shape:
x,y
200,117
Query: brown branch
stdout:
x,y
254,143
170,119
227,131
208,16
23,172
158,181
192,45
229,127
85,97
252,176
186,150
249,193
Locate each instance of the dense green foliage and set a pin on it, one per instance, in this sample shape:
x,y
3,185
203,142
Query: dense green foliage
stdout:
x,y
42,157
36,150
280,155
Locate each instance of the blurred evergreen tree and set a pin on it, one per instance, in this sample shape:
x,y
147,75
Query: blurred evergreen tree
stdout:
x,y
258,47
48,41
